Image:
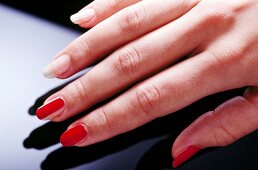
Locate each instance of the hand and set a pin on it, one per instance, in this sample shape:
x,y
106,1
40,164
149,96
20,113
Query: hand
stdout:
x,y
170,54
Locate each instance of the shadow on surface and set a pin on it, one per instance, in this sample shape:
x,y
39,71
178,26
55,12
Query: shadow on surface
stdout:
x,y
241,155
158,157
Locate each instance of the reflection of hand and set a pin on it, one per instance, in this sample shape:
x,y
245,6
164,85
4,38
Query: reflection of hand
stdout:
x,y
220,40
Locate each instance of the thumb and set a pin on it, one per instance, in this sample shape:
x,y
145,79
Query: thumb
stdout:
x,y
223,126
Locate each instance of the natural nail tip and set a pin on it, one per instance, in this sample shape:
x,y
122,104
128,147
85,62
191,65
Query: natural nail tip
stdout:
x,y
83,16
73,19
48,74
57,67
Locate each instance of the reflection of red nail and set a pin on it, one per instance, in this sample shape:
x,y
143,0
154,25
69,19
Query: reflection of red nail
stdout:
x,y
50,108
185,155
73,135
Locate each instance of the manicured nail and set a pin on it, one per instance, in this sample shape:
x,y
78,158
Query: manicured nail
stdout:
x,y
57,67
73,135
83,16
184,155
53,107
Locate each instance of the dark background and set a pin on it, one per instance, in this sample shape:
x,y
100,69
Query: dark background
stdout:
x,y
242,155
57,11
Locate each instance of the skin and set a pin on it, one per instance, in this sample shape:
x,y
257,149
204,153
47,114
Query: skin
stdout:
x,y
218,40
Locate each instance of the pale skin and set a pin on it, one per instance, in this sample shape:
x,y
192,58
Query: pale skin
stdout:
x,y
219,40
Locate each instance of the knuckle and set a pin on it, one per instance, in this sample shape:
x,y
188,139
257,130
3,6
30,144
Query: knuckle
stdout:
x,y
148,99
84,46
128,61
236,54
224,61
216,59
216,17
80,91
218,13
132,19
223,133
104,116
217,63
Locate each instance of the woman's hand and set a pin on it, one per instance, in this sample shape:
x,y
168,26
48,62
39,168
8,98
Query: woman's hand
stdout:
x,y
173,53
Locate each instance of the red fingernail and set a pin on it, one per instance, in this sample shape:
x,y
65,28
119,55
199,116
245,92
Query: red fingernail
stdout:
x,y
50,108
73,135
185,155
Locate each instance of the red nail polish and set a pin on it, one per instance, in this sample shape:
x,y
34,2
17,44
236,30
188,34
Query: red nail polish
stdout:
x,y
73,135
185,155
50,108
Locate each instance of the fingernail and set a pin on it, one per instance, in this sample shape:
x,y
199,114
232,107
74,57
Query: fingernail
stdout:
x,y
184,155
73,135
53,107
83,16
57,67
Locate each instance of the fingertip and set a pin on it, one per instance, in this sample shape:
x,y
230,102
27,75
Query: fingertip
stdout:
x,y
47,74
83,16
185,155
58,66
74,136
182,141
51,108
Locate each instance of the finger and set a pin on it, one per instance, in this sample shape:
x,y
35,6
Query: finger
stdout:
x,y
98,11
164,93
130,64
223,126
126,25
